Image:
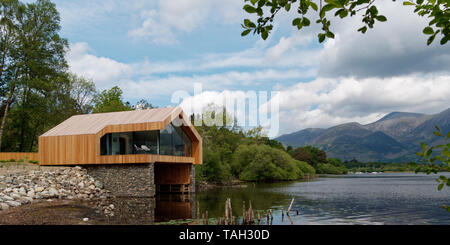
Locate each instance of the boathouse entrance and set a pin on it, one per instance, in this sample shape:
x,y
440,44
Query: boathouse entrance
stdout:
x,y
174,177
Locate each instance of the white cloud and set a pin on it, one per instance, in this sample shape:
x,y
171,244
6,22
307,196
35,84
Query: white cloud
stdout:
x,y
170,18
326,102
147,79
102,70
392,48
262,55
155,86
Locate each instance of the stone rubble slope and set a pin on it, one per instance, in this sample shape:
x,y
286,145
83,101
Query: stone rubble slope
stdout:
x,y
63,183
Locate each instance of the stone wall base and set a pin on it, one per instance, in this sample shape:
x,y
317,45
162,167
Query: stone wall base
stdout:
x,y
135,180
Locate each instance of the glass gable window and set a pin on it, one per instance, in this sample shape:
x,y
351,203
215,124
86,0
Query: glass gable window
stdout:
x,y
170,141
174,142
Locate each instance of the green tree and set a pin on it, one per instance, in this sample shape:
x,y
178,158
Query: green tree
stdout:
x,y
143,105
437,11
264,163
303,155
82,91
110,101
33,61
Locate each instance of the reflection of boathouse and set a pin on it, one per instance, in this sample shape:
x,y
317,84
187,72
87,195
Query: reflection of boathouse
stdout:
x,y
132,152
174,207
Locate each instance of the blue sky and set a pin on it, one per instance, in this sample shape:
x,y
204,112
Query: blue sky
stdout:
x,y
153,48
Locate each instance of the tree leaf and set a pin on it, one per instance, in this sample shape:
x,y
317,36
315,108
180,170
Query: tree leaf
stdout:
x,y
244,33
430,39
437,133
296,21
306,21
248,23
321,37
363,29
440,187
428,30
313,5
343,14
287,7
249,9
408,3
328,7
424,146
381,18
264,35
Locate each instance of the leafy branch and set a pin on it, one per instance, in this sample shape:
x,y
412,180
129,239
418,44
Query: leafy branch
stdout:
x,y
437,10
437,162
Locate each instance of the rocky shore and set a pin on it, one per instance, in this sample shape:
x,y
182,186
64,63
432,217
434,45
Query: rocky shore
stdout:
x,y
68,183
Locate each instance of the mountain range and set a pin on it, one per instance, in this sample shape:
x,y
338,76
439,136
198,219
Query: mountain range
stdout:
x,y
394,138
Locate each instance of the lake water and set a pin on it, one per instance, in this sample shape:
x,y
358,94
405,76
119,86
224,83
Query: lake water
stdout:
x,y
386,198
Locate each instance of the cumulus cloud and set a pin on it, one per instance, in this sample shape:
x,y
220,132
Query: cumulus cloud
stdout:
x,y
218,81
102,70
325,102
156,79
248,109
163,24
392,48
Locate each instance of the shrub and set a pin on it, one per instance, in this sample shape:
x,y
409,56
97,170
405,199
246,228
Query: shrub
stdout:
x,y
212,168
264,163
306,168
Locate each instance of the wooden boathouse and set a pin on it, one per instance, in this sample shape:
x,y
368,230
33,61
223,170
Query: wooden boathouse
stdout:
x,y
132,152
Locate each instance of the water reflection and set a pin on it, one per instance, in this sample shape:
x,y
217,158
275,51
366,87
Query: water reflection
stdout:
x,y
174,207
364,199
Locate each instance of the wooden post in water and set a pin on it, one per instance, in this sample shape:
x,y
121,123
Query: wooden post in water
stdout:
x,y
271,216
226,212
290,206
289,217
243,213
207,221
251,215
230,210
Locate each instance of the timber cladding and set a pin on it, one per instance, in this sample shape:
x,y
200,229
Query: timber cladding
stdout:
x,y
76,141
172,174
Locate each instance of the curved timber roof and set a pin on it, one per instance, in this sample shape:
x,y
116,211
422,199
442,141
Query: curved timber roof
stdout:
x,y
96,122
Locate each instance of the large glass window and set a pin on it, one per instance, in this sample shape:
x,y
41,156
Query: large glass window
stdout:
x,y
145,142
116,144
170,141
174,142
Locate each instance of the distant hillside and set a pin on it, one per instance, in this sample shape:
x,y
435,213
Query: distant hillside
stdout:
x,y
395,137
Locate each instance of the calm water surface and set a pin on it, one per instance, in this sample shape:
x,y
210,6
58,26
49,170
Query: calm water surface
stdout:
x,y
386,198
